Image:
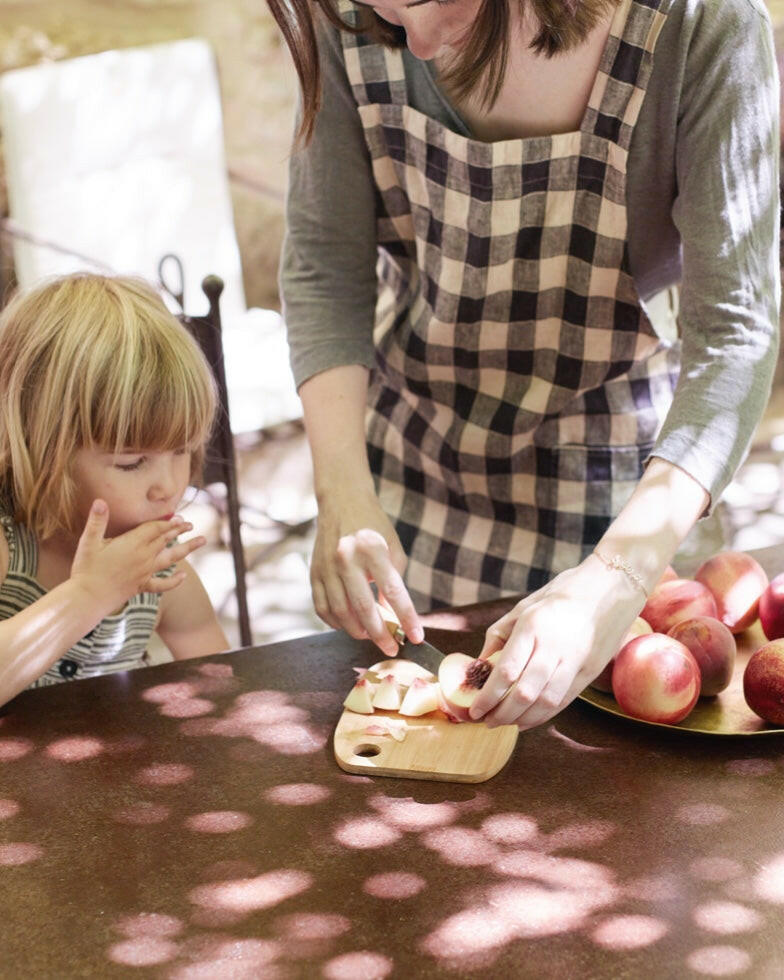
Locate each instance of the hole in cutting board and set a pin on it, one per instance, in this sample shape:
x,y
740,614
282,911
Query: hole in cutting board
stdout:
x,y
367,750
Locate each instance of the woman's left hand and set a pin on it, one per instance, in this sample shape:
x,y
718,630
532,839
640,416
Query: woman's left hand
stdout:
x,y
555,642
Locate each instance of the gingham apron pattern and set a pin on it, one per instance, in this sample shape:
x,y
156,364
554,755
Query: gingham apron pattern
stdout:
x,y
519,386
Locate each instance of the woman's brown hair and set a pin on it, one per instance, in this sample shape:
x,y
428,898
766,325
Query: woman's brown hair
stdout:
x,y
562,24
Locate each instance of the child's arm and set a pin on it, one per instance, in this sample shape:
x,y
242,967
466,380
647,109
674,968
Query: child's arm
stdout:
x,y
187,623
104,575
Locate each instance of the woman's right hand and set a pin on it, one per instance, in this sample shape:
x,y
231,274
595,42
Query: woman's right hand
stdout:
x,y
355,545
112,570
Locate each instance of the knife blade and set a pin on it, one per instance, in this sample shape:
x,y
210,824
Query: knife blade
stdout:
x,y
424,653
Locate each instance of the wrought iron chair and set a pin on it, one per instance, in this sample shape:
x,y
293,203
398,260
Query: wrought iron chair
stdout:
x,y
220,464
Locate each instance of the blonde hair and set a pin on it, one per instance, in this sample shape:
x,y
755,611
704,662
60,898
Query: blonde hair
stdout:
x,y
95,362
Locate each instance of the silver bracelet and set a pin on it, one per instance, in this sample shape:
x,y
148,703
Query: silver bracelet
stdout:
x,y
619,563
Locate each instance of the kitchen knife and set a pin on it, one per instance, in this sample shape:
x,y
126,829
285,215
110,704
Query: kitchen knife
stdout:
x,y
424,654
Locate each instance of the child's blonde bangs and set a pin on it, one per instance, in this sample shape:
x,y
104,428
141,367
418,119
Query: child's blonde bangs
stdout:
x,y
95,362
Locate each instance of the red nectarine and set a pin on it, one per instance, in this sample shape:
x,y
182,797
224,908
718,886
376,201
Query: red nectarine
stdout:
x,y
675,600
656,678
763,682
771,609
712,646
736,581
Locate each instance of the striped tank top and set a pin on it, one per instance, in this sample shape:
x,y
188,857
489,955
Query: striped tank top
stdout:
x,y
118,642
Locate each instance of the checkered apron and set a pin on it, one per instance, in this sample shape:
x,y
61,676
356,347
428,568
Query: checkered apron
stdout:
x,y
519,386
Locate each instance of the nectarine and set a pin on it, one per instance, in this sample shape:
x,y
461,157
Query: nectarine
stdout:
x,y
763,682
656,678
712,646
771,609
604,681
675,600
461,678
736,581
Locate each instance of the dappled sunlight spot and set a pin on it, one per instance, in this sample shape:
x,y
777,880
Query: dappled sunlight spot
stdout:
x,y
750,767
394,885
76,748
719,961
466,933
298,794
143,814
12,855
769,881
590,834
215,670
224,949
144,951
218,822
165,774
363,833
461,846
573,744
361,965
268,714
199,727
653,888
715,869
177,690
186,708
216,686
537,911
408,814
249,894
14,748
8,808
620,932
261,698
477,803
569,873
726,917
510,828
312,925
149,924
292,739
703,814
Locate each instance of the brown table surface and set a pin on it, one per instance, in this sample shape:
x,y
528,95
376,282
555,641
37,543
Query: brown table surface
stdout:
x,y
189,821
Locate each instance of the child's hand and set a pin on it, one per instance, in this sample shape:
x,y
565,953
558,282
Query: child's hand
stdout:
x,y
115,569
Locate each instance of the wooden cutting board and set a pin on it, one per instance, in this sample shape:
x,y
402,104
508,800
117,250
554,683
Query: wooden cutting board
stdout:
x,y
433,748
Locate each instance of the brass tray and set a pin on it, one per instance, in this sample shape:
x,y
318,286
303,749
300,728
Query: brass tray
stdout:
x,y
725,714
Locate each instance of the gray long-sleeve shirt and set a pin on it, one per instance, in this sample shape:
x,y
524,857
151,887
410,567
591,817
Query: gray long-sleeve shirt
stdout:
x,y
703,205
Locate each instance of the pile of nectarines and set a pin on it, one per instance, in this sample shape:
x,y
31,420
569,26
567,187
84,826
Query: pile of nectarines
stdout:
x,y
682,646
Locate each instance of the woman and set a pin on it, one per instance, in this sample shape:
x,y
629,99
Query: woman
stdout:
x,y
528,175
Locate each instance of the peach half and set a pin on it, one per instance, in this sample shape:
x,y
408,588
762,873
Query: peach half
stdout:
x,y
461,678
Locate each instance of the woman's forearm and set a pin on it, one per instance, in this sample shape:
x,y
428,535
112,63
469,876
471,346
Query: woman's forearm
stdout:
x,y
664,507
334,404
35,638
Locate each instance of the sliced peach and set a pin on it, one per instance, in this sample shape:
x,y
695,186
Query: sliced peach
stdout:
x,y
388,694
360,697
404,671
421,698
461,678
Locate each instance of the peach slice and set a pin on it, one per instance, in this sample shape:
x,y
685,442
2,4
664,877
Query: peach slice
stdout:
x,y
360,697
421,698
461,678
404,671
388,694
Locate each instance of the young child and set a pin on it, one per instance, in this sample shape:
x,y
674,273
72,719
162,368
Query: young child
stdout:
x,y
106,406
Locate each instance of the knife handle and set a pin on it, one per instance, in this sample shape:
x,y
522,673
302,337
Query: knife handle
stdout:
x,y
393,626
